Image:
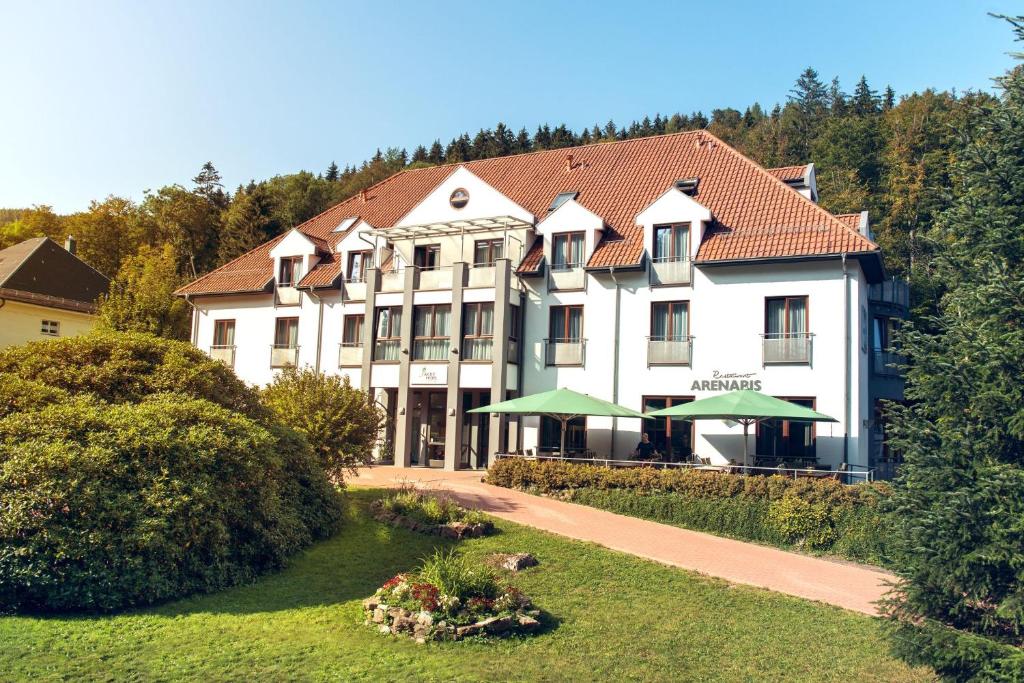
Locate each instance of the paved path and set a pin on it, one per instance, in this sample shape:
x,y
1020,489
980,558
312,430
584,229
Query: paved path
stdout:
x,y
854,587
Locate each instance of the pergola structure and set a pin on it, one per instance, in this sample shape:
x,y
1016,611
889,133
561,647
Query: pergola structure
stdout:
x,y
455,228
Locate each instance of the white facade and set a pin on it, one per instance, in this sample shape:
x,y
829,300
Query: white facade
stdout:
x,y
726,316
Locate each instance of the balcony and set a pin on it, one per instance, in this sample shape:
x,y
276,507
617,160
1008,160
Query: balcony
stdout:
x,y
669,350
435,278
355,288
478,348
284,356
567,277
350,354
671,270
786,349
893,292
392,281
225,354
565,351
387,350
287,296
887,363
481,275
430,349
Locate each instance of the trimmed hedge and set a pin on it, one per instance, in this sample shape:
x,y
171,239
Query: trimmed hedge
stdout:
x,y
814,514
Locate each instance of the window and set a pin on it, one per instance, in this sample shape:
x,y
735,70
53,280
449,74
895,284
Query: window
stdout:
x,y
882,337
51,328
427,257
670,320
431,332
786,316
514,330
566,323
672,436
575,435
478,331
352,330
288,273
358,263
567,250
486,252
389,333
787,441
286,333
671,242
223,333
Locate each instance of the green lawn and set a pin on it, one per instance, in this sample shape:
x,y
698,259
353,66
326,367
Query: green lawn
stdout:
x,y
612,616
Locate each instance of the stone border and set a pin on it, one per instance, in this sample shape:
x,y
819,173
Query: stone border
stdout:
x,y
453,530
421,627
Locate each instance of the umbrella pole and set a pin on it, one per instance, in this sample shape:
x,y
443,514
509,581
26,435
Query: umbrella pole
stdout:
x,y
746,441
561,448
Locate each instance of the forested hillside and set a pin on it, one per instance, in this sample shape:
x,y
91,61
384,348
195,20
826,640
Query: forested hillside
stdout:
x,y
893,158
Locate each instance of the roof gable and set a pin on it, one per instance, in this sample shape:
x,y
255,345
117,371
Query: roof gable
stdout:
x,y
43,267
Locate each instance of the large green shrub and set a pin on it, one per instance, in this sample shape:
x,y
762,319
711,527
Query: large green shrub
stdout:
x,y
340,421
816,514
119,367
115,492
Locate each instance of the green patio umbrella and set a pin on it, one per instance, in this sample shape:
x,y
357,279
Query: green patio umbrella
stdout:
x,y
561,404
744,406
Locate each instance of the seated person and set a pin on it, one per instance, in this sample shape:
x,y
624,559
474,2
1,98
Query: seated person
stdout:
x,y
645,450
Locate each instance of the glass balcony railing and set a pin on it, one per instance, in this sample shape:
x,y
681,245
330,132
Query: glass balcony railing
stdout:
x,y
564,351
887,363
567,276
435,278
430,349
478,348
790,348
350,354
387,349
482,275
669,350
284,356
225,354
671,270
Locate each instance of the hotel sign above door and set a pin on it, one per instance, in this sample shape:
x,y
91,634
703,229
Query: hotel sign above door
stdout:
x,y
434,373
727,381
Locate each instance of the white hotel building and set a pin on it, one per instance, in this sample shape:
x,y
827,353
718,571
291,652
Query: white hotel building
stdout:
x,y
647,272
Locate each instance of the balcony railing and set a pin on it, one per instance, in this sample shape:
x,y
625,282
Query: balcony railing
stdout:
x,y
284,356
886,363
392,281
669,350
350,354
568,276
287,296
792,348
435,278
671,270
223,353
355,288
387,349
478,348
895,292
430,349
564,351
482,275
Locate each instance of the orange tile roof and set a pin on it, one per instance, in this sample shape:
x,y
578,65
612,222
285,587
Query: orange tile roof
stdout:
x,y
756,214
851,219
531,262
785,173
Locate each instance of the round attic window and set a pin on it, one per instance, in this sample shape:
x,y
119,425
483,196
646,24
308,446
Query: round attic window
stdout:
x,y
459,198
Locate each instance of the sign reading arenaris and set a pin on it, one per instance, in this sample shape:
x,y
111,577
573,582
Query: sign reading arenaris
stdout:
x,y
727,381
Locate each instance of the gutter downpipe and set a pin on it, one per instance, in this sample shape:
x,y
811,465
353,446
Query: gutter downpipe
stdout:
x,y
615,361
846,376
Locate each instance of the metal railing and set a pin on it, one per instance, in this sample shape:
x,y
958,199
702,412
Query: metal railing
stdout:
x,y
567,276
431,349
886,363
284,356
225,353
847,476
896,292
671,270
387,349
669,350
350,353
477,348
793,348
565,351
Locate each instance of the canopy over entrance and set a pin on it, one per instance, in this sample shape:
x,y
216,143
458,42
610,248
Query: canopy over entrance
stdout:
x,y
744,406
562,405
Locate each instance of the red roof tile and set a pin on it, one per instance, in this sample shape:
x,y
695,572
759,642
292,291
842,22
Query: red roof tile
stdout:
x,y
531,262
785,173
756,214
851,219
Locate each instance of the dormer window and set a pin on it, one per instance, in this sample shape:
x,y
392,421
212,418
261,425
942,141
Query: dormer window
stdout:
x,y
567,250
358,263
287,274
671,242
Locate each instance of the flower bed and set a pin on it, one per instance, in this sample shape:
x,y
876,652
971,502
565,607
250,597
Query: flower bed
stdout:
x,y
437,515
450,598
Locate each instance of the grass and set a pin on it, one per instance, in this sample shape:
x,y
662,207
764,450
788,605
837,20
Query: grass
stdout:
x,y
612,616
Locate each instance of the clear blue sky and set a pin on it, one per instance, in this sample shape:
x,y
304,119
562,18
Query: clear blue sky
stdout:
x,y
106,98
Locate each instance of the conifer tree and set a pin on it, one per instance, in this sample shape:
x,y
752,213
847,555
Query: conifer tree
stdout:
x,y
865,100
958,502
332,173
888,99
436,153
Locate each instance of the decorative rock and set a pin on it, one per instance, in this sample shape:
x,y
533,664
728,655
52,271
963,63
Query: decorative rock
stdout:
x,y
519,561
379,616
496,624
527,623
370,604
384,628
470,630
425,618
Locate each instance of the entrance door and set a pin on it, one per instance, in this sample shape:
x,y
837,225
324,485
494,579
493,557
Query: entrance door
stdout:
x,y
475,431
672,437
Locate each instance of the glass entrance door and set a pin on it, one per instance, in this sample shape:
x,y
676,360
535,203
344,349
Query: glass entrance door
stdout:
x,y
475,431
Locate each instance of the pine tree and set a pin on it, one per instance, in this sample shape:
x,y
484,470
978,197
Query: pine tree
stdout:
x,y
332,173
208,184
809,94
888,99
542,138
837,98
958,502
523,142
865,100
436,153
